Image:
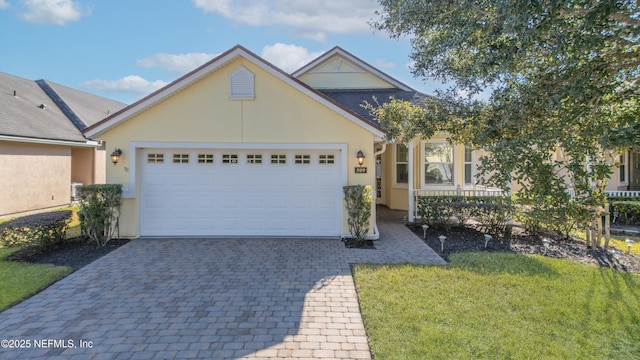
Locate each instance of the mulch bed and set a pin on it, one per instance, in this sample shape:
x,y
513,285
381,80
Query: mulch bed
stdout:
x,y
74,253
465,239
351,243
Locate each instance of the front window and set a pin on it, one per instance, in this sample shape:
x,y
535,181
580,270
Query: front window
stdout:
x,y
468,166
402,164
623,170
438,163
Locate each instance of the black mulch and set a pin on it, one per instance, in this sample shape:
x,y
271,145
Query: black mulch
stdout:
x,y
466,239
353,244
74,253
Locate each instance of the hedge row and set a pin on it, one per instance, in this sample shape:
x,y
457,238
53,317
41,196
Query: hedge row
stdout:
x,y
628,212
43,230
492,212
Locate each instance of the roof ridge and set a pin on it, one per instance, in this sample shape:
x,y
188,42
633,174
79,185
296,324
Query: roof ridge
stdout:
x,y
62,105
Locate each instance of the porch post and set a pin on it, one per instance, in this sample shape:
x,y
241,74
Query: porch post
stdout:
x,y
411,216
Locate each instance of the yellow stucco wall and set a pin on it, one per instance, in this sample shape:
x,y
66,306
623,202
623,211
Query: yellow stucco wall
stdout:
x,y
33,176
204,113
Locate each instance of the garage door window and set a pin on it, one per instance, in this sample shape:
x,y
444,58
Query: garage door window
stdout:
x,y
278,159
326,159
180,158
205,158
254,159
303,159
155,158
230,158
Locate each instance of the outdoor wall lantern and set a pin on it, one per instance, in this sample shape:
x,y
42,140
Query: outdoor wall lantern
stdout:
x,y
360,157
115,156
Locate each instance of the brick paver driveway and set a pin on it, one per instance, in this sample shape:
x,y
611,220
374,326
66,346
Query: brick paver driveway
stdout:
x,y
208,298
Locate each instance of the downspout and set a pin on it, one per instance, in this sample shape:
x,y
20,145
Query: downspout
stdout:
x,y
376,232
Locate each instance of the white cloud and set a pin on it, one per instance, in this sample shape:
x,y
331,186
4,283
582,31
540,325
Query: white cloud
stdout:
x,y
310,19
133,84
288,57
181,63
3,4
57,12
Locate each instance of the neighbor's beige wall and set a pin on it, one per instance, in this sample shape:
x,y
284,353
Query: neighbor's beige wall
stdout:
x,y
204,113
33,176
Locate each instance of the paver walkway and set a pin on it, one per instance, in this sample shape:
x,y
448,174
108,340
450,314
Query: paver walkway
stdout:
x,y
211,299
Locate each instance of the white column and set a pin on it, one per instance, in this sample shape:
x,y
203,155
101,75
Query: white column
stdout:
x,y
410,184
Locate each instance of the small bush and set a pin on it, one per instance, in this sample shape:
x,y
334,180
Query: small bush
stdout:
x,y
358,200
99,211
45,230
628,212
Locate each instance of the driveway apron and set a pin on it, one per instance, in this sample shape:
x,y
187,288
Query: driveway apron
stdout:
x,y
209,298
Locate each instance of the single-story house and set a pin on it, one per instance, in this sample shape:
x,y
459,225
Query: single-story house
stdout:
x,y
238,147
42,149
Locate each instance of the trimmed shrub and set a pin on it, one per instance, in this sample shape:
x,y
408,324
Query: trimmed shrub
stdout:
x,y
493,212
44,230
99,211
358,200
628,212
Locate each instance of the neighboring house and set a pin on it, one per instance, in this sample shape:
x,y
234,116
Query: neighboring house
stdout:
x,y
238,147
626,177
42,149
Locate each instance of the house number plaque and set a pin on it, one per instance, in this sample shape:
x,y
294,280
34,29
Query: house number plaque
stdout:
x,y
361,170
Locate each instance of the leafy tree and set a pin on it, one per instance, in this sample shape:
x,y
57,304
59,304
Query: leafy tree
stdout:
x,y
562,75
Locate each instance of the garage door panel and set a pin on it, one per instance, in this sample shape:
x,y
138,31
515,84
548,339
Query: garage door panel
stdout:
x,y
239,199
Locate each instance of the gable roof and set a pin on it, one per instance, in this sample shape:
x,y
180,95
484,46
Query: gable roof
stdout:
x,y
214,65
339,52
39,110
353,99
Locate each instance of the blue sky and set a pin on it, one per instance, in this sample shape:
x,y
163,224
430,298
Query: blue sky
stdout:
x,y
126,49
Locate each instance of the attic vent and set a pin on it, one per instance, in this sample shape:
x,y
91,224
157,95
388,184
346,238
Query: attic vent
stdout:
x,y
241,84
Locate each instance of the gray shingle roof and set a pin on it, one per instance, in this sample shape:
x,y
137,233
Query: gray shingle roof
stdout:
x,y
27,110
354,99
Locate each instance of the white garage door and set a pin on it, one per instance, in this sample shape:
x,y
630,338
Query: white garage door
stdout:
x,y
199,192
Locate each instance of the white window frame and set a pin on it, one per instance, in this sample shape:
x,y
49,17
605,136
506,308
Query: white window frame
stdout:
x,y
454,171
396,184
624,164
471,163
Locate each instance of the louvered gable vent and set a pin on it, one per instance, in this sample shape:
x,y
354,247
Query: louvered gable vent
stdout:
x,y
241,84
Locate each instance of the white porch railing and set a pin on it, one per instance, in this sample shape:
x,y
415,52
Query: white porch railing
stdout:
x,y
478,191
622,193
484,191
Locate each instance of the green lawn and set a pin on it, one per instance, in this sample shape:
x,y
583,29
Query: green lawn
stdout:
x,y
21,280
500,306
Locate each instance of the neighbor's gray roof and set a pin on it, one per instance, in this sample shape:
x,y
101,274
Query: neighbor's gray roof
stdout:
x,y
66,111
354,99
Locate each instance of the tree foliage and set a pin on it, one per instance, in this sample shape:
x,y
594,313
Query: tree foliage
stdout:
x,y
562,75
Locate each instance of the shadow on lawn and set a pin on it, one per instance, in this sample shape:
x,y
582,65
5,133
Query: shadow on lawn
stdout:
x,y
506,263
